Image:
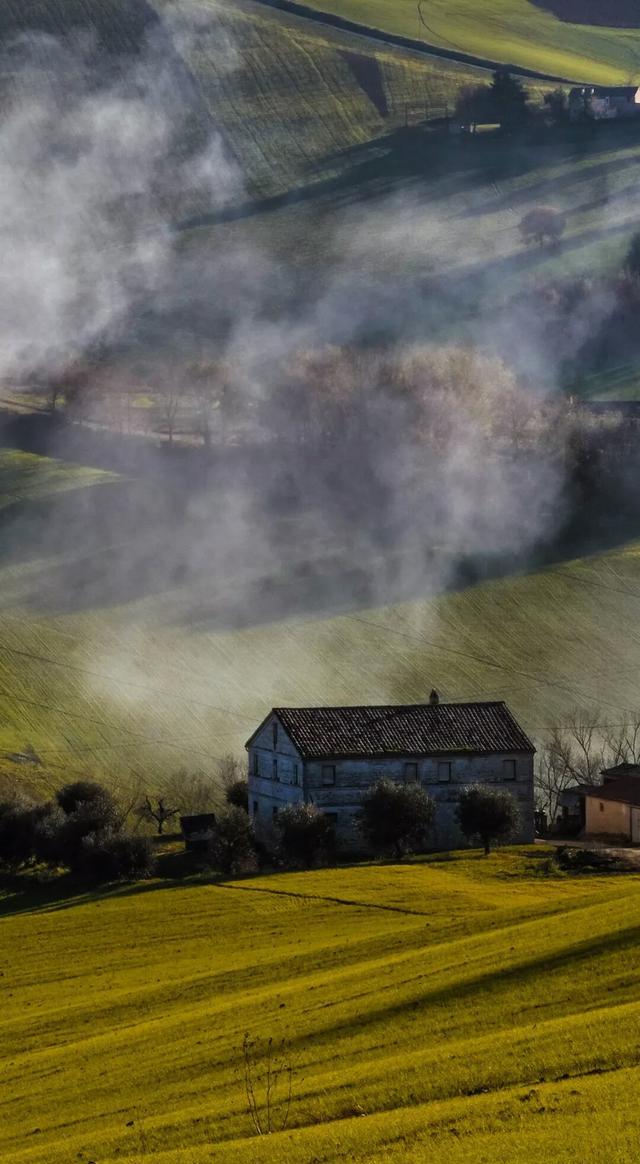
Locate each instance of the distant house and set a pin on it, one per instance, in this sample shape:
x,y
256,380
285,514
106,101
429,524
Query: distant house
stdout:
x,y
330,756
589,103
613,809
198,830
572,818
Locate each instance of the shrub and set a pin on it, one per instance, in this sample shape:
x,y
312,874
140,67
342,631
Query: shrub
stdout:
x,y
16,832
232,848
396,817
116,857
88,809
237,794
81,792
573,860
305,834
491,814
48,822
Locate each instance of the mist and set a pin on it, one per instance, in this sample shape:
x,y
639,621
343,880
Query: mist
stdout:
x,y
382,442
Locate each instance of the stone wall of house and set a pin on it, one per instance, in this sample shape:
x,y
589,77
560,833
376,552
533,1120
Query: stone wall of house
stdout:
x,y
441,778
275,773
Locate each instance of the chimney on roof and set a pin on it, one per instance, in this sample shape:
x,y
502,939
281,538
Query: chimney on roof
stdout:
x,y
434,698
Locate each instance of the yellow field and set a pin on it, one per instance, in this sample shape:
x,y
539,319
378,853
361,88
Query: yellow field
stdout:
x,y
467,1009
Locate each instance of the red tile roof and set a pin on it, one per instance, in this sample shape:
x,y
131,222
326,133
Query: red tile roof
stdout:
x,y
420,729
625,791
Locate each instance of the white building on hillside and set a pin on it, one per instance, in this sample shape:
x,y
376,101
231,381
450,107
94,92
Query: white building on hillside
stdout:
x,y
329,756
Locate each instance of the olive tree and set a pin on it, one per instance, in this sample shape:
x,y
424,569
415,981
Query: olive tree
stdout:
x,y
489,814
396,818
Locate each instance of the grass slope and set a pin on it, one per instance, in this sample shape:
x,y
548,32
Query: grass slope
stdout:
x,y
463,1010
293,98
118,683
520,32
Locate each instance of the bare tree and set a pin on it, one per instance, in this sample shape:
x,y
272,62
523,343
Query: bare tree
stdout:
x,y
622,740
157,812
169,396
193,792
554,774
230,770
268,1085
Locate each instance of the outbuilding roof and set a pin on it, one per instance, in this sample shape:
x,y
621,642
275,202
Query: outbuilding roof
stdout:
x,y
624,791
419,729
621,770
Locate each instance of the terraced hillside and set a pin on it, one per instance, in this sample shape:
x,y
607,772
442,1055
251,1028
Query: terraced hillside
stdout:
x,y
463,1010
111,669
595,41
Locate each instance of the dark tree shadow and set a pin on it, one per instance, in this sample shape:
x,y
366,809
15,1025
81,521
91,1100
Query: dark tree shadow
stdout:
x,y
368,74
601,13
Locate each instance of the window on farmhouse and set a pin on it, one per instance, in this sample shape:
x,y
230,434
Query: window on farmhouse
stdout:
x,y
274,811
275,768
274,732
444,771
256,808
256,764
411,773
295,773
328,774
508,769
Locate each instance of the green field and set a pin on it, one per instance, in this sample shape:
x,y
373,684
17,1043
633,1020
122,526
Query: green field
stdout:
x,y
466,1010
132,685
529,33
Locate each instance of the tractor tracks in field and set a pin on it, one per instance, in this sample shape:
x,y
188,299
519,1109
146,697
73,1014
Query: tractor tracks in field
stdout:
x,y
412,44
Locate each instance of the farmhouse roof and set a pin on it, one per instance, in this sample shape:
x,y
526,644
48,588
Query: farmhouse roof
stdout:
x,y
626,790
419,729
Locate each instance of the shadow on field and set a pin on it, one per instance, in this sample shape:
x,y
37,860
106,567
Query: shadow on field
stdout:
x,y
425,155
67,891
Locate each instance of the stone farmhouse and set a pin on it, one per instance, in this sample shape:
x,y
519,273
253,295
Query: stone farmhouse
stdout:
x,y
329,756
602,104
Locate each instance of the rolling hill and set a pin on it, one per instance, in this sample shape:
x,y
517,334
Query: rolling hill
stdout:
x,y
110,669
595,41
463,1010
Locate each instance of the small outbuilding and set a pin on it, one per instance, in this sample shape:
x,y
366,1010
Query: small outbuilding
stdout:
x,y
198,830
613,810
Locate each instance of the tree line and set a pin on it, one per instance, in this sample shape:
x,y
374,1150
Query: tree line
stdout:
x,y
82,830
394,820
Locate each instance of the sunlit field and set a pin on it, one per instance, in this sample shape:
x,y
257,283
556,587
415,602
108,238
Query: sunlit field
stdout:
x,y
595,41
465,1009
